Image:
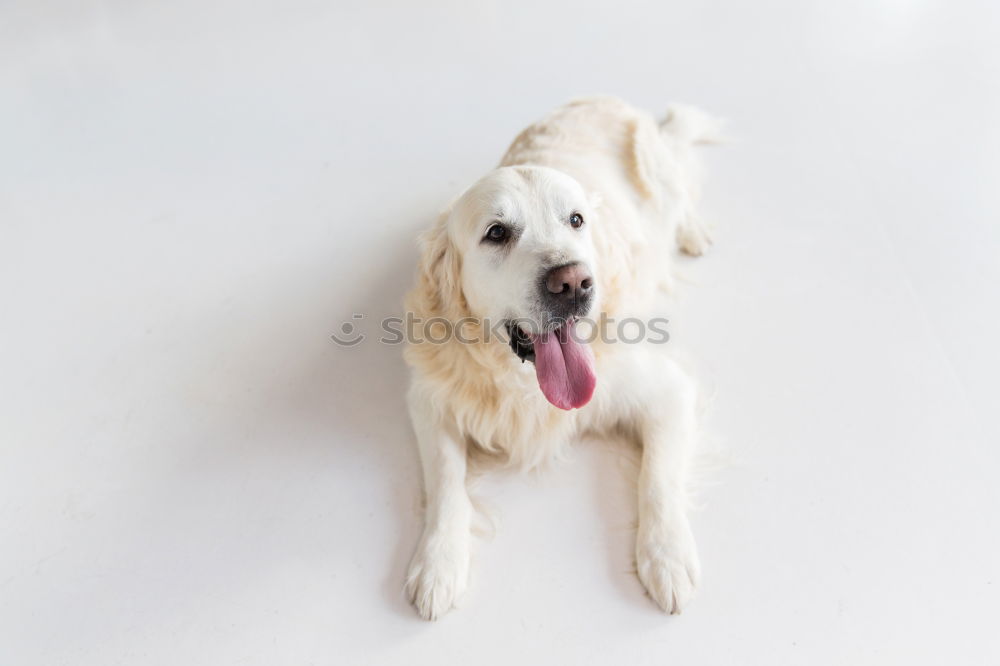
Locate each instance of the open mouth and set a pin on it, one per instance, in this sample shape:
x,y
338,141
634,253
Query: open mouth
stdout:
x,y
564,365
520,343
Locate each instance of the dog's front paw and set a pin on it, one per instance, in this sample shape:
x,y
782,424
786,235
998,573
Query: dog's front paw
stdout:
x,y
667,563
438,575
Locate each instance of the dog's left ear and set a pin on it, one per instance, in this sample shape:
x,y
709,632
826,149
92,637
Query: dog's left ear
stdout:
x,y
646,166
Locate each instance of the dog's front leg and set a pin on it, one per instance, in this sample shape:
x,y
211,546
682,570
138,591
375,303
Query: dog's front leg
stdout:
x,y
666,557
439,570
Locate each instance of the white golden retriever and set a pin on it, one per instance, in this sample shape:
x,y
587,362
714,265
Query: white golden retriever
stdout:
x,y
578,222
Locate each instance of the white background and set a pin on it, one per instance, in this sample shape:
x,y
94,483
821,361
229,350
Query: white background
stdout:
x,y
194,196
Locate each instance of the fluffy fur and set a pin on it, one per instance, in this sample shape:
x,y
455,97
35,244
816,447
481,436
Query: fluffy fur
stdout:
x,y
635,181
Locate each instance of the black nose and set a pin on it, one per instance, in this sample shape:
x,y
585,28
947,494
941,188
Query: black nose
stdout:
x,y
569,283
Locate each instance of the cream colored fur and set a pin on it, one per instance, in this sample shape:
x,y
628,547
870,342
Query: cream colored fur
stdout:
x,y
636,182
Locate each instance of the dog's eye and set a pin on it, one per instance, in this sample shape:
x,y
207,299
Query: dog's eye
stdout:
x,y
497,233
576,220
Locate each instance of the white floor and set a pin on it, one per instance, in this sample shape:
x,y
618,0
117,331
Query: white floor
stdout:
x,y
195,195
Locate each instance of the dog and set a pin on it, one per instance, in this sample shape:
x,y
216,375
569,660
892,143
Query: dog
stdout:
x,y
578,222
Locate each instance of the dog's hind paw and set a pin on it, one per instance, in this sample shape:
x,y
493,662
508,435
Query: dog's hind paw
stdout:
x,y
667,565
437,577
694,236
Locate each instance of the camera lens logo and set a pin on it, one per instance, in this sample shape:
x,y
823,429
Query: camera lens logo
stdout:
x,y
349,335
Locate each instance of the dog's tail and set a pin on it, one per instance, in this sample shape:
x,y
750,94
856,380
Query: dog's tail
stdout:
x,y
687,125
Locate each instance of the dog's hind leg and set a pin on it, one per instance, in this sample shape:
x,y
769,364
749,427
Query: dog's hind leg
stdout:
x,y
682,128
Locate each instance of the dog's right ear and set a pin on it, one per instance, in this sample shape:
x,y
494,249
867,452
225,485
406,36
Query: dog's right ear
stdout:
x,y
439,288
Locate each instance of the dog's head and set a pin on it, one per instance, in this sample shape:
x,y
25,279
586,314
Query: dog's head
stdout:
x,y
516,248
527,255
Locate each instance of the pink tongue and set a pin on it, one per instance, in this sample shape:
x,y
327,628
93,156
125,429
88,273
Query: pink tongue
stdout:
x,y
565,368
